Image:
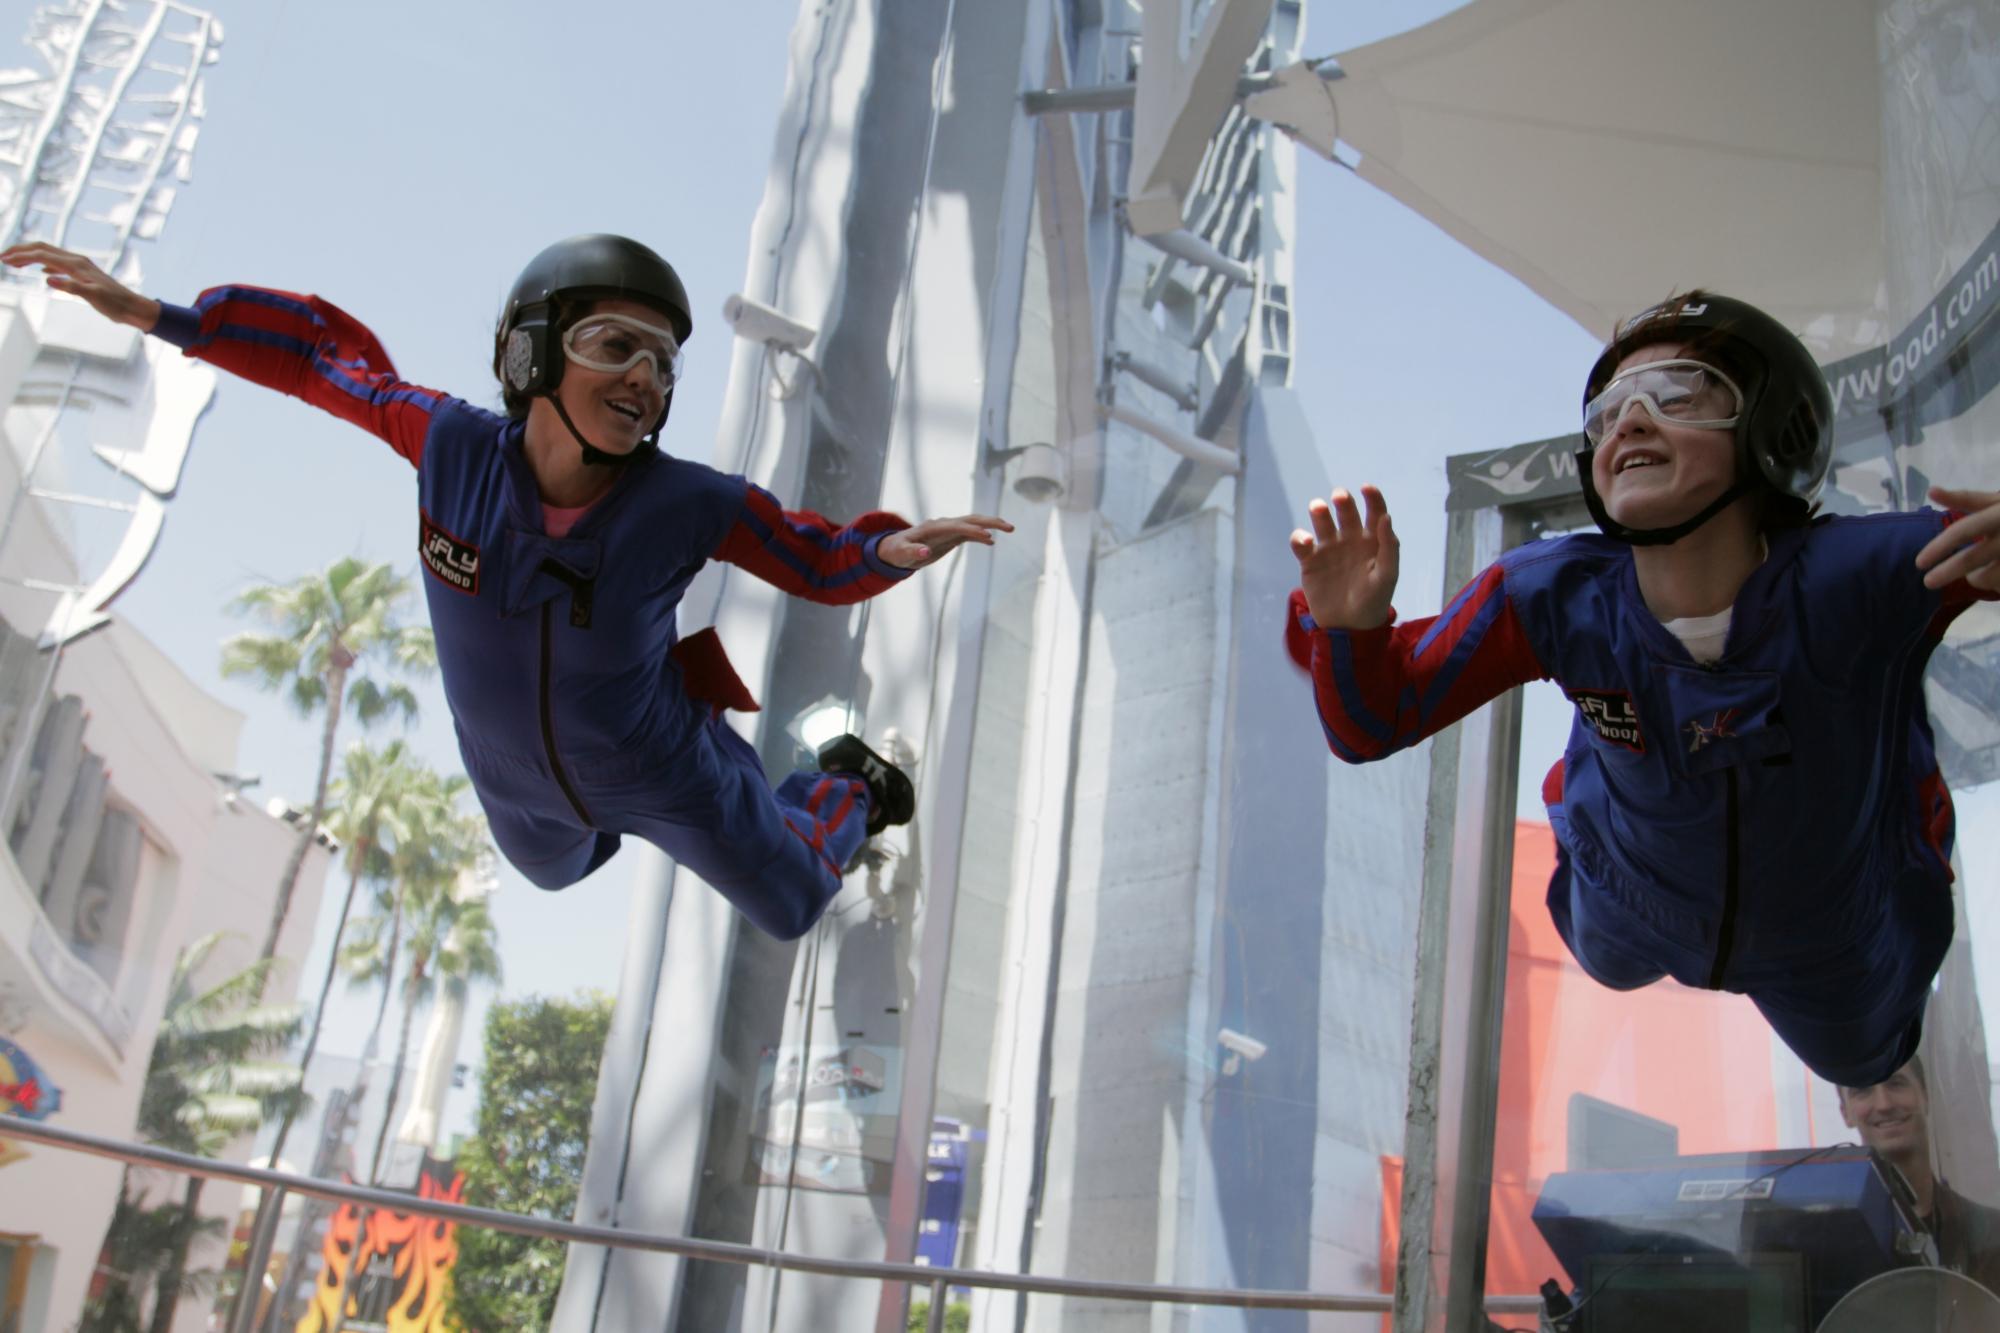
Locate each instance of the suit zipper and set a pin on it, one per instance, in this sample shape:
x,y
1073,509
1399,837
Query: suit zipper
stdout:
x,y
1725,935
549,726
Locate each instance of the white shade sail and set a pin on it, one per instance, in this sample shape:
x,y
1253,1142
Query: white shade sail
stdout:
x,y
1609,152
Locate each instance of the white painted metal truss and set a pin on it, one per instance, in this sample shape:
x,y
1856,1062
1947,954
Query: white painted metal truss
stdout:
x,y
93,147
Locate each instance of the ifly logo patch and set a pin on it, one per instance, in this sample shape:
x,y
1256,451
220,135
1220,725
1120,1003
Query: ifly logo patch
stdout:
x,y
454,561
1611,714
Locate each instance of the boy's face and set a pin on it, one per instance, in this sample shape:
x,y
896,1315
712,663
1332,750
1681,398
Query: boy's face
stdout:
x,y
1892,1117
1654,474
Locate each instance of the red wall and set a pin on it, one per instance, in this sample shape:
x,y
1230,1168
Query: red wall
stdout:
x,y
1696,1059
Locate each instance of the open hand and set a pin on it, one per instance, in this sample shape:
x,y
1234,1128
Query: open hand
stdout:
x,y
71,272
1347,566
1967,549
933,539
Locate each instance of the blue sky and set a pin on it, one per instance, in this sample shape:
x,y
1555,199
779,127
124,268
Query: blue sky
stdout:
x,y
404,160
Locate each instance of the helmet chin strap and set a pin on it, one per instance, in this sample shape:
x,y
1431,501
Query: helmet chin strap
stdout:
x,y
596,457
1617,531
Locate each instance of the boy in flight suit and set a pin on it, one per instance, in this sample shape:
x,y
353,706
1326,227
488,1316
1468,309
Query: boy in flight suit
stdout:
x,y
557,540
1749,800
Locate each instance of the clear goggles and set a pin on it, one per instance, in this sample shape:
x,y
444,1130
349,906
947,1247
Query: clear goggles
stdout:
x,y
1684,393
613,344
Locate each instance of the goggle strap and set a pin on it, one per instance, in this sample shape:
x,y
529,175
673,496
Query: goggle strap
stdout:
x,y
596,457
1617,531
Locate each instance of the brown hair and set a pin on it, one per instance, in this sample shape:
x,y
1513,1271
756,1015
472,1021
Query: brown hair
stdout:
x,y
1713,346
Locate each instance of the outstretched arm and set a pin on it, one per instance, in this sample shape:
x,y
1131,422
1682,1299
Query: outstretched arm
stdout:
x,y
71,272
807,556
934,539
1380,686
299,345
1964,559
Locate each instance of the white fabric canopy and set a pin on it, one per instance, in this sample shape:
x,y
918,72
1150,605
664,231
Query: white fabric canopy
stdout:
x,y
1609,152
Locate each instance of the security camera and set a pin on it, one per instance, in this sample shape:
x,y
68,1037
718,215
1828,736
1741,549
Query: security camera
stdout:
x,y
1240,1048
1247,1047
759,323
1042,476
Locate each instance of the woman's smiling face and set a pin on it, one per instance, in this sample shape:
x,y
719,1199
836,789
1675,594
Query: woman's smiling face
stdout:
x,y
614,410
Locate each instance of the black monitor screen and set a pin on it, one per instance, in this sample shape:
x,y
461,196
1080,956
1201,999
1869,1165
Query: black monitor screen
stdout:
x,y
1670,1293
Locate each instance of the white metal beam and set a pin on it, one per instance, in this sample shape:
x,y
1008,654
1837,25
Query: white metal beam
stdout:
x,y
1186,85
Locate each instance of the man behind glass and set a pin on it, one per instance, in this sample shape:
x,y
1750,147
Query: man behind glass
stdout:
x,y
1893,1118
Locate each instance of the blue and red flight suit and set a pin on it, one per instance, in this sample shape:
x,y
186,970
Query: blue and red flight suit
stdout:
x,y
1773,824
580,714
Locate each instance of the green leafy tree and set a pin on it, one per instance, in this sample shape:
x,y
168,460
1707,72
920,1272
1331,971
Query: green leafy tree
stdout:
x,y
326,630
957,1317
526,1154
208,1082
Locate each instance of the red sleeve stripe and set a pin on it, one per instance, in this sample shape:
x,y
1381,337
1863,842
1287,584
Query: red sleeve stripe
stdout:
x,y
804,555
1454,640
820,559
310,349
1380,691
1336,669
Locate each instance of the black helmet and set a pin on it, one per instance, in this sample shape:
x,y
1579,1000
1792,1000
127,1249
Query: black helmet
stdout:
x,y
527,355
1784,434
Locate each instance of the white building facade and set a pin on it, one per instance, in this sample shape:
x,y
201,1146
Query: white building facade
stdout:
x,y
126,836
126,839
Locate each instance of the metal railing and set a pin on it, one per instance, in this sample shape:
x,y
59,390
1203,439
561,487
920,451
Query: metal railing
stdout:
x,y
935,1280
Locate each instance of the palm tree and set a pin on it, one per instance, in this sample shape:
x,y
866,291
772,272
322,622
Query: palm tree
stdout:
x,y
438,912
452,943
139,1247
325,626
417,810
206,1085
438,906
374,803
381,800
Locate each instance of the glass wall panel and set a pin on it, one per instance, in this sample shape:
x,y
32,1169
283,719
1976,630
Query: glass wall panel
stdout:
x,y
1660,1152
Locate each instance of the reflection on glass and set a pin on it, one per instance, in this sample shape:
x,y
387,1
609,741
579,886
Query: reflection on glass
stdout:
x,y
1662,1161
1174,1044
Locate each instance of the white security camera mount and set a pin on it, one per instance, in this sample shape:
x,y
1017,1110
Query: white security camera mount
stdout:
x,y
1241,1047
753,321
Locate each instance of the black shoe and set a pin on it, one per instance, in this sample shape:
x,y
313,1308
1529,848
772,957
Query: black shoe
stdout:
x,y
891,798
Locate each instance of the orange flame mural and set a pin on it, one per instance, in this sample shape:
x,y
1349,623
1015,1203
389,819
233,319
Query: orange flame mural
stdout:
x,y
421,1252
